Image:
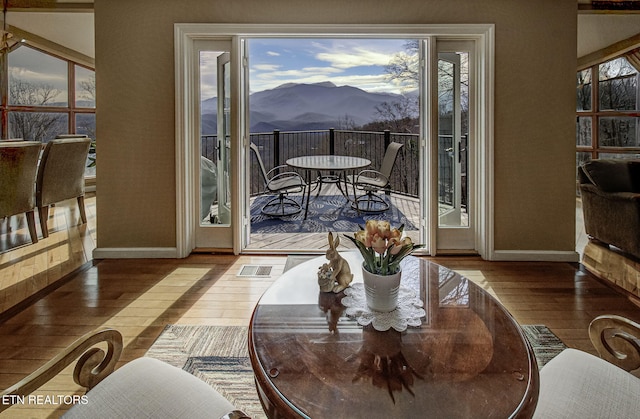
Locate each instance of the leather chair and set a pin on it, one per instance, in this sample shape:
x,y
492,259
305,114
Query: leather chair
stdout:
x,y
610,191
371,181
18,167
144,387
61,176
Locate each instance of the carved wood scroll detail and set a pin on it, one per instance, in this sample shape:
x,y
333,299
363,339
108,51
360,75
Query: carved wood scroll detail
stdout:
x,y
92,367
617,340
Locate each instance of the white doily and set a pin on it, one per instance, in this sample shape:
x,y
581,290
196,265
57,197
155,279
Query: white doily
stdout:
x,y
408,313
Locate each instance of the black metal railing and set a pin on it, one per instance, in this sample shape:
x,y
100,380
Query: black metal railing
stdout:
x,y
278,146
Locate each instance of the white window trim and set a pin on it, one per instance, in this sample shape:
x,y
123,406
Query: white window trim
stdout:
x,y
185,34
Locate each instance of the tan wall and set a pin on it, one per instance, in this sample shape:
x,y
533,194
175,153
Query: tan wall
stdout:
x,y
534,104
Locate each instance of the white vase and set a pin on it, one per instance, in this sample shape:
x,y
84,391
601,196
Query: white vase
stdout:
x,y
381,291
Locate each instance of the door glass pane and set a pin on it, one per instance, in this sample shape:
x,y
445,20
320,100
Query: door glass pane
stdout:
x,y
446,152
215,100
453,100
224,140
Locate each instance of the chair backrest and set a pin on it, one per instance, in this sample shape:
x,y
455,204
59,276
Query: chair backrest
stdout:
x,y
611,175
18,166
61,171
59,136
256,150
389,159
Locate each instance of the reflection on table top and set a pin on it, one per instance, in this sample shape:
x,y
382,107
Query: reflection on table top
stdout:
x,y
328,162
468,359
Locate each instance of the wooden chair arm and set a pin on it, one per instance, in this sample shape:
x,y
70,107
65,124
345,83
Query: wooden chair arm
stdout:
x,y
617,340
236,414
92,367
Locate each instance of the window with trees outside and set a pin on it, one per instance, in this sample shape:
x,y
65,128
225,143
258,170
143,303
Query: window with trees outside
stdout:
x,y
608,111
48,96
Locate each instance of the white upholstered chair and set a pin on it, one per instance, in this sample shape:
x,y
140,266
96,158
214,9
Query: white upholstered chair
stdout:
x,y
142,388
576,384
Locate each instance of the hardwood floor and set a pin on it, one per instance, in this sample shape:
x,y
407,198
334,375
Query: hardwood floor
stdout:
x,y
26,268
139,297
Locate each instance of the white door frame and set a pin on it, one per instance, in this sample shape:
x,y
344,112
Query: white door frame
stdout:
x,y
187,108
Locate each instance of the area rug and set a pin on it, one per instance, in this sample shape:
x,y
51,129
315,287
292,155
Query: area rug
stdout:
x,y
544,342
218,355
326,213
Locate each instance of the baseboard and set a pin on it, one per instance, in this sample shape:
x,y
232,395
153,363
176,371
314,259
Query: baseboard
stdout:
x,y
135,253
535,256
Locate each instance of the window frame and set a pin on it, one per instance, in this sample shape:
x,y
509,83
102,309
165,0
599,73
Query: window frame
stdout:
x,y
595,149
71,110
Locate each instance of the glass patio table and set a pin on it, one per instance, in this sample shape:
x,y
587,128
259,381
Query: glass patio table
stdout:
x,y
327,163
468,358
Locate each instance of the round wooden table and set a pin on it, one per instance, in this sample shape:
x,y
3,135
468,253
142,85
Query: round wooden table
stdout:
x,y
469,358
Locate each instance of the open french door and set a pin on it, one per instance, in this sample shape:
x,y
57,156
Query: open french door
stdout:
x,y
224,138
454,198
214,230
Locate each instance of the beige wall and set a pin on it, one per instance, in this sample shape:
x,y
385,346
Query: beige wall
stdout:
x,y
534,106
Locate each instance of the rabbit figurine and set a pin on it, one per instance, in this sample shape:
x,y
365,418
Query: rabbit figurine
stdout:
x,y
340,270
325,281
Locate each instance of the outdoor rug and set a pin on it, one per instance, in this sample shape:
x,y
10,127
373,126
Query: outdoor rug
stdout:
x,y
326,213
218,355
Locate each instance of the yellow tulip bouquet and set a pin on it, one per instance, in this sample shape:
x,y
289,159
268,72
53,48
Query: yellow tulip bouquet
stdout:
x,y
382,247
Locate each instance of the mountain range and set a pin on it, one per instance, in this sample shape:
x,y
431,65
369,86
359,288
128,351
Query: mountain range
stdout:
x,y
299,107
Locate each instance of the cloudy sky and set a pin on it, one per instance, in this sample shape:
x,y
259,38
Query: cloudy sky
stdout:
x,y
354,62
273,62
47,72
31,66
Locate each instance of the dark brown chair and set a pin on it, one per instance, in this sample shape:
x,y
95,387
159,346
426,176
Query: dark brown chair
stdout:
x,y
610,191
61,176
18,167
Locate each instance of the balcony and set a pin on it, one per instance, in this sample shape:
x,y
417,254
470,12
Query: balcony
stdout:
x,y
331,211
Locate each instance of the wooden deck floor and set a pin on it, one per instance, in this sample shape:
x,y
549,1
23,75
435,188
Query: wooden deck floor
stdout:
x,y
314,242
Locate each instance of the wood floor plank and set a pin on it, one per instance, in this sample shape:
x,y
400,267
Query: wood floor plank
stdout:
x,y
140,297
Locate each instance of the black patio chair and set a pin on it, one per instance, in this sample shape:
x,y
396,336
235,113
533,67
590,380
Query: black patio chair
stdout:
x,y
370,181
281,184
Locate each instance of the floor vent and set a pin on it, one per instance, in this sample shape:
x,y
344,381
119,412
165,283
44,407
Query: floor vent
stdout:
x,y
255,270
